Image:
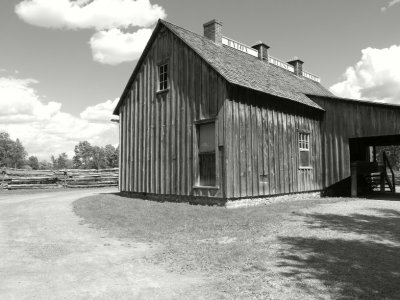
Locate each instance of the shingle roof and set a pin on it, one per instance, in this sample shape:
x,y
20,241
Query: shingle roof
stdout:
x,y
241,69
248,71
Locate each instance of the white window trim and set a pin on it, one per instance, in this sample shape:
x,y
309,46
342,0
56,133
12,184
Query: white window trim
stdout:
x,y
304,138
159,77
304,141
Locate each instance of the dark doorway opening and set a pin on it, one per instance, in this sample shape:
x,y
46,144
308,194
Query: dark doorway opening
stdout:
x,y
374,164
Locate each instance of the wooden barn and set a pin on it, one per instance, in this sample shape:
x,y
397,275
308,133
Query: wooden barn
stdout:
x,y
206,116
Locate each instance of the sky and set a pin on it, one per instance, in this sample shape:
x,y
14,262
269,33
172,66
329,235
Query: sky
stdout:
x,y
64,63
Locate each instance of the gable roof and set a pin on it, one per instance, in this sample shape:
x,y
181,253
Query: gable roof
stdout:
x,y
248,71
242,69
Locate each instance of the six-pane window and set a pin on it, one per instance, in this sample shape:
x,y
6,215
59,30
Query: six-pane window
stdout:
x,y
163,77
304,141
304,147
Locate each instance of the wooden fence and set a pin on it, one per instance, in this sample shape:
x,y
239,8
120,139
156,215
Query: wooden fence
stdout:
x,y
13,179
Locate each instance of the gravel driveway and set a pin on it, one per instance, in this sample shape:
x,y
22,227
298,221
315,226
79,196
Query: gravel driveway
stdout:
x,y
46,253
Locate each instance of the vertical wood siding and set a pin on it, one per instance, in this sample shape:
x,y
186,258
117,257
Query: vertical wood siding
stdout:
x,y
157,133
349,119
261,145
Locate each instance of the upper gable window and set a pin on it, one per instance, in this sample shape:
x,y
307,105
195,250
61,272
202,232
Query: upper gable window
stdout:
x,y
163,77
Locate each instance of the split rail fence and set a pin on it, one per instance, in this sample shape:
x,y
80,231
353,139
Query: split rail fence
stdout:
x,y
13,179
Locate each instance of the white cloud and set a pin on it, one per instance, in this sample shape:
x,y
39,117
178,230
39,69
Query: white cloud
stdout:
x,y
44,128
390,4
19,102
114,46
100,113
110,45
375,77
82,14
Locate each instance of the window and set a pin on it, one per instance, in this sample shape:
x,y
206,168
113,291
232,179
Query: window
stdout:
x,y
304,147
207,162
163,77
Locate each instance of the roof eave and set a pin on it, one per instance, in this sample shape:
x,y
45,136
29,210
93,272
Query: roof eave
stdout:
x,y
392,105
137,67
316,106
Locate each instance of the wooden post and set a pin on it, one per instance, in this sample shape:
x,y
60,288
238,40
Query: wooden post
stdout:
x,y
382,181
221,170
2,181
354,180
374,152
65,178
383,173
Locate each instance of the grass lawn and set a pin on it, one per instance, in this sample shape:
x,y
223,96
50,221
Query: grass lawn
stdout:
x,y
307,249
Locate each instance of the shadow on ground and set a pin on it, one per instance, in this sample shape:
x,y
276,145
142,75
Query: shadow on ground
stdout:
x,y
367,267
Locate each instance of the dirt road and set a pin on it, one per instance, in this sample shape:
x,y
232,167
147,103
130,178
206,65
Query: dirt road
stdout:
x,y
46,253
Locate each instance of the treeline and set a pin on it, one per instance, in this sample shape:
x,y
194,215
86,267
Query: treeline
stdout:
x,y
87,156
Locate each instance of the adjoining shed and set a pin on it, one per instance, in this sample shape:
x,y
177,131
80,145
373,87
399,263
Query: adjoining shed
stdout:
x,y
206,116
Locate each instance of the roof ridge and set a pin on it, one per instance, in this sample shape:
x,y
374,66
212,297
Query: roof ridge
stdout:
x,y
238,69
226,46
223,60
199,35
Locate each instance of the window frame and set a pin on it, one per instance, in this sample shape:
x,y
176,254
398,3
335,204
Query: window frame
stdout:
x,y
197,125
163,84
304,143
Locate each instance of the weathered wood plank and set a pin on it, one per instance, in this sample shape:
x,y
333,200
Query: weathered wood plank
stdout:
x,y
271,151
229,153
122,148
247,148
190,108
258,146
174,113
236,149
242,150
265,152
129,142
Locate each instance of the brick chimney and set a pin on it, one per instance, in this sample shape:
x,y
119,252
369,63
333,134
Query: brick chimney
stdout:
x,y
298,66
213,31
262,50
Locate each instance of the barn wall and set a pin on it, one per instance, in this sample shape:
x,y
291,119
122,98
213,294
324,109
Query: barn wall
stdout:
x,y
158,136
261,145
349,119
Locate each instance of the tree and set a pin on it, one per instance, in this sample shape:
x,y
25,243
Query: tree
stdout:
x,y
53,162
33,162
98,158
61,162
83,155
111,156
95,157
19,154
12,153
45,165
5,149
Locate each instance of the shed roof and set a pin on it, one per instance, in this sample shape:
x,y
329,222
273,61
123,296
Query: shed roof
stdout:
x,y
359,101
242,69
